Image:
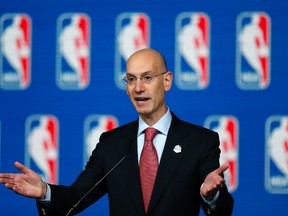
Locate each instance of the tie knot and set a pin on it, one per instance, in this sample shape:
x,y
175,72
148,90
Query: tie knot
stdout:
x,y
150,133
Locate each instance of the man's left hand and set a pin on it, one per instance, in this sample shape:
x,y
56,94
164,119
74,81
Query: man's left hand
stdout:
x,y
213,182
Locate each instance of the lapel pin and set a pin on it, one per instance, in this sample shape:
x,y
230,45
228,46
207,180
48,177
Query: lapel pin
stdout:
x,y
177,149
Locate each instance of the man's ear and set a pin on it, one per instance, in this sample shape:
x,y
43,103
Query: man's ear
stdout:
x,y
168,79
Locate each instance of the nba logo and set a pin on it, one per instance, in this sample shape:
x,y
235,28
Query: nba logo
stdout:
x,y
192,51
276,159
227,128
253,51
73,51
41,153
132,34
94,126
15,40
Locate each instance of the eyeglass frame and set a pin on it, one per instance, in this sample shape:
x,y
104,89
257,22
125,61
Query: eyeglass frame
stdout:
x,y
141,77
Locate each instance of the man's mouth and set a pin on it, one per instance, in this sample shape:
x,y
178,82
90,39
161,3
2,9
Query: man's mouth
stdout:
x,y
141,99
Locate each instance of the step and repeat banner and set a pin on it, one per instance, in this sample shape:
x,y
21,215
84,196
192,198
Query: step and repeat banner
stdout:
x,y
61,69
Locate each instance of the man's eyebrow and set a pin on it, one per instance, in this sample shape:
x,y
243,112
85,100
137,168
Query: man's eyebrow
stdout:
x,y
143,73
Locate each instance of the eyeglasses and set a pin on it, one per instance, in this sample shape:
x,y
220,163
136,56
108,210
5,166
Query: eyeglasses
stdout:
x,y
146,78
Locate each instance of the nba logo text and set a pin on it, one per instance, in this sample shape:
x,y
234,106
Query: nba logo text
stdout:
x,y
192,51
132,34
15,59
227,128
94,126
253,50
276,159
73,51
42,148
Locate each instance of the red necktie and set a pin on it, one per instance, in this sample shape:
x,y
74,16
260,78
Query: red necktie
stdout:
x,y
148,166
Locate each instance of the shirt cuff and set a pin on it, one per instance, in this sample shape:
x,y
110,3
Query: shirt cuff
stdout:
x,y
47,197
211,203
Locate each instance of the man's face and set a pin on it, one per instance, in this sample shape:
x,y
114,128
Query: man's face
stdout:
x,y
148,97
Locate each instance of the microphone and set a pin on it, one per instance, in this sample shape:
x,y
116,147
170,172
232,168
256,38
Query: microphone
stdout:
x,y
74,207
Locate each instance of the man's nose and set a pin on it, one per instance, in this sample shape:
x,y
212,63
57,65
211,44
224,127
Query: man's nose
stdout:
x,y
139,85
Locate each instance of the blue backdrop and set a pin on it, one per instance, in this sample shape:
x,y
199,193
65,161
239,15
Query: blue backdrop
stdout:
x,y
61,64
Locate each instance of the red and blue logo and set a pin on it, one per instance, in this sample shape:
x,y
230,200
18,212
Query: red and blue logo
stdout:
x,y
94,126
227,128
276,159
253,50
192,56
15,60
73,51
132,34
42,148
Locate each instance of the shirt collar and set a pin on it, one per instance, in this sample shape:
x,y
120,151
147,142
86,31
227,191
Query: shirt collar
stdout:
x,y
162,125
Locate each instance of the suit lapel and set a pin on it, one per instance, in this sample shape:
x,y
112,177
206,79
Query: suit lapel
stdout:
x,y
131,168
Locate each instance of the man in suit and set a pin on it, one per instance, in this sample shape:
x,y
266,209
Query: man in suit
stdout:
x,y
187,173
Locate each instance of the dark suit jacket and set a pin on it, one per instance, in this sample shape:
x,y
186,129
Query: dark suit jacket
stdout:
x,y
178,181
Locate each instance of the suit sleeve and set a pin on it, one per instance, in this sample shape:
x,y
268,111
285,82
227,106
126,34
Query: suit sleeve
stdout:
x,y
210,162
64,197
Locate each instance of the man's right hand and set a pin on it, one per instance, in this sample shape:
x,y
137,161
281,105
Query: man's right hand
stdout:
x,y
28,183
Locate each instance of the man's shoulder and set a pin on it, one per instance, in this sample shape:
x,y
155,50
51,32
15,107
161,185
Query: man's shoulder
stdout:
x,y
123,130
185,125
